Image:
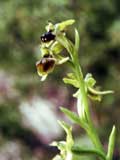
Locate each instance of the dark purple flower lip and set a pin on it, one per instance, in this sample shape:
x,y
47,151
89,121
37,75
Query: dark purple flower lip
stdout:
x,y
45,65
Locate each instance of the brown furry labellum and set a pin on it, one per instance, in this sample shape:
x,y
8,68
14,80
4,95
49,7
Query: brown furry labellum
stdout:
x,y
45,65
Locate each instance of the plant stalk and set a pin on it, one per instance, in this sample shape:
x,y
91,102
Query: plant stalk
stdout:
x,y
91,131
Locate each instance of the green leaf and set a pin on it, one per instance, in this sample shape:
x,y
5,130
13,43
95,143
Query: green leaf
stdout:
x,y
71,115
83,151
111,144
77,41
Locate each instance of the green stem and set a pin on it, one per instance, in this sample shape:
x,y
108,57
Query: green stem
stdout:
x,y
78,73
91,131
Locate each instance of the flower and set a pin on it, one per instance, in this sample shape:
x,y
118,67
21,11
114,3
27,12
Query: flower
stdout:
x,y
51,48
45,66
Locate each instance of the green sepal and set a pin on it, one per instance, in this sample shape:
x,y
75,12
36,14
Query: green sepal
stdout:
x,y
74,117
111,144
70,79
61,26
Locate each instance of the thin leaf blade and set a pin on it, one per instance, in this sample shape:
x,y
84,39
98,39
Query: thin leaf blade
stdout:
x,y
71,115
111,144
77,41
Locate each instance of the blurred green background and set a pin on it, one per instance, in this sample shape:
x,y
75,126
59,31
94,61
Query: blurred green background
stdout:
x,y
29,108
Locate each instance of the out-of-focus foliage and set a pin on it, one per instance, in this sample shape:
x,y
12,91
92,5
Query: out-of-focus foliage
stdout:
x,y
21,24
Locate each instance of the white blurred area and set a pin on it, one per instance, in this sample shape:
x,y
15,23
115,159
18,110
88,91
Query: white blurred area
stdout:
x,y
40,116
10,151
13,150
